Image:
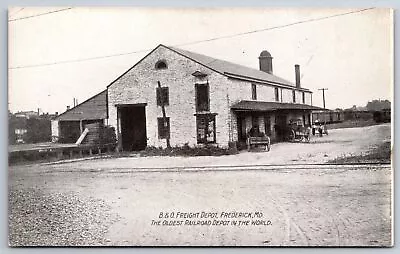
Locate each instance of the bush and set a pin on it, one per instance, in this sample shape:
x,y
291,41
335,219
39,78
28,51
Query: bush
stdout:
x,y
109,136
186,150
38,130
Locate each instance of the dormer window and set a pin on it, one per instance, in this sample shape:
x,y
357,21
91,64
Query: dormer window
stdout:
x,y
161,65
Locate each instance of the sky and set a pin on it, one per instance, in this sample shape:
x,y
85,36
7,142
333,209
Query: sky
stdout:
x,y
61,54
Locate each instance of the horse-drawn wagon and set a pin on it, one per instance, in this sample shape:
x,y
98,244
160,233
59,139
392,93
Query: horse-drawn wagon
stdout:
x,y
296,131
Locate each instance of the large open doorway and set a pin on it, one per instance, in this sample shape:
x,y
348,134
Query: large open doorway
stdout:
x,y
133,127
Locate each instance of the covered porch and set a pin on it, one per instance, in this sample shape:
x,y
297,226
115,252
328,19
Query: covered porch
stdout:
x,y
271,118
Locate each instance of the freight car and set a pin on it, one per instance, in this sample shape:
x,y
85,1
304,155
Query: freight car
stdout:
x,y
330,116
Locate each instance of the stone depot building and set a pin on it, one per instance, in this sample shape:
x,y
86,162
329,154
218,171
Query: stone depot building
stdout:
x,y
193,99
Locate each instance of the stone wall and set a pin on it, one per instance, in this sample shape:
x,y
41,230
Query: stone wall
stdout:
x,y
139,85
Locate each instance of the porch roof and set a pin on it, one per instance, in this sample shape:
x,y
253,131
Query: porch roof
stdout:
x,y
271,106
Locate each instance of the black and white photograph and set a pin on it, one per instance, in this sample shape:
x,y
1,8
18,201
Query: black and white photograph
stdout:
x,y
221,127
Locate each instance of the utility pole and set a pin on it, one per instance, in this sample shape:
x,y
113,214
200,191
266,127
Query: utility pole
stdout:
x,y
323,94
163,113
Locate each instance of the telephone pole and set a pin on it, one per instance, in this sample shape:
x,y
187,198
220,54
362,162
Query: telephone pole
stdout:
x,y
323,94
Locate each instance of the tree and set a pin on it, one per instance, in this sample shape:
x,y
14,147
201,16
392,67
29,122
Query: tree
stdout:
x,y
38,130
378,105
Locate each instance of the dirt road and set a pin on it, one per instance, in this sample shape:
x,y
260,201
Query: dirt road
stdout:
x,y
307,207
339,142
108,202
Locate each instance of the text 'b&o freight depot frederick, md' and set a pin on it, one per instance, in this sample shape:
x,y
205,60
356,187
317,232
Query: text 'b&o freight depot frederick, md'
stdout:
x,y
202,218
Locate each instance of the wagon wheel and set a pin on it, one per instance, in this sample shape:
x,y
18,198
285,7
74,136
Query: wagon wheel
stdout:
x,y
307,135
292,135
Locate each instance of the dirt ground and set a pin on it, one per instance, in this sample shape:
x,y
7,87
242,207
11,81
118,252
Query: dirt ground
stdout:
x,y
339,142
111,202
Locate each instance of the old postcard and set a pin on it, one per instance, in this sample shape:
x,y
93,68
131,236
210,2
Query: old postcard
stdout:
x,y
200,127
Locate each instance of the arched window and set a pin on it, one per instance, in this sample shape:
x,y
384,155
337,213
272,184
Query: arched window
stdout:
x,y
161,65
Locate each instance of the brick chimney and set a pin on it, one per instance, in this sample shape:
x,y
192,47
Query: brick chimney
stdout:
x,y
67,107
297,73
265,60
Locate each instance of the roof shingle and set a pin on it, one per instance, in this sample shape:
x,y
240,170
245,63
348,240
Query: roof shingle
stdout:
x,y
234,70
92,109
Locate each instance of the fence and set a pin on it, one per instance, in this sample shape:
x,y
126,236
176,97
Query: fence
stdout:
x,y
59,153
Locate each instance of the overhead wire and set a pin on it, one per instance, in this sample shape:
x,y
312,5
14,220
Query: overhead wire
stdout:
x,y
12,14
193,42
40,14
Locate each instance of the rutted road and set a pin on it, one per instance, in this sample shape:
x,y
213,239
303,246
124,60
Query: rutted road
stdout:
x,y
307,206
114,201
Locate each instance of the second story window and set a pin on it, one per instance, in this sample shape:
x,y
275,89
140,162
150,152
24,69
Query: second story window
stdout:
x,y
162,96
294,96
202,97
276,94
303,97
253,92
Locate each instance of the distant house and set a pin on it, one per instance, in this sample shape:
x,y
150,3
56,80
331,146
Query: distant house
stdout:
x,y
193,99
29,127
27,114
17,129
68,126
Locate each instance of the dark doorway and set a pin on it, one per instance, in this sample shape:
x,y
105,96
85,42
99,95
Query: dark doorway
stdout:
x,y
241,128
69,131
267,125
133,127
280,126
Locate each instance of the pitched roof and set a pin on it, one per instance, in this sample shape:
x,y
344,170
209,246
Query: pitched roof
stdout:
x,y
92,109
271,106
234,70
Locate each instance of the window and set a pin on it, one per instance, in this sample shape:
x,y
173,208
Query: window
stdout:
x,y
303,97
253,92
294,96
205,129
162,96
276,94
202,97
161,65
163,127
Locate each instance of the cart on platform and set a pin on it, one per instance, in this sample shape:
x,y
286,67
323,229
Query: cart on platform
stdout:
x,y
297,132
